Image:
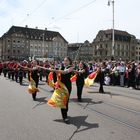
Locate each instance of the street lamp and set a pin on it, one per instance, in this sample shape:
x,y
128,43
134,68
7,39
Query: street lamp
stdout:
x,y
113,36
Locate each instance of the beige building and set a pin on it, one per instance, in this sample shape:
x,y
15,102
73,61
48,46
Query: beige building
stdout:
x,y
0,48
124,48
24,43
80,51
138,51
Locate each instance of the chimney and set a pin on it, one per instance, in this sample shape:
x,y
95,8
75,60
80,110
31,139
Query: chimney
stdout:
x,y
36,27
26,26
45,29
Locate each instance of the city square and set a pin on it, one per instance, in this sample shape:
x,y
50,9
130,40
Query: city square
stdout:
x,y
69,70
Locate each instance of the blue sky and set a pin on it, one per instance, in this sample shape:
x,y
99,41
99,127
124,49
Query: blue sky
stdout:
x,y
76,20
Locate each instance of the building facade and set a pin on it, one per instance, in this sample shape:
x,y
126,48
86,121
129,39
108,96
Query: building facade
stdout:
x,y
0,48
124,48
138,51
24,43
80,51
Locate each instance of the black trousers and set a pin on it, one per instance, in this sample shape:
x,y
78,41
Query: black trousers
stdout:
x,y
101,90
65,110
0,71
80,85
13,74
20,80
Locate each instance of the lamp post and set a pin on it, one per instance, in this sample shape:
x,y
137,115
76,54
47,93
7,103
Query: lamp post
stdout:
x,y
113,34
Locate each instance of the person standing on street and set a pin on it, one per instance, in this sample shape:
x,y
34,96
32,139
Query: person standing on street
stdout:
x,y
81,75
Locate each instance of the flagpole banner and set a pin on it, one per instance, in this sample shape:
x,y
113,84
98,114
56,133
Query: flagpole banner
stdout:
x,y
90,79
73,78
60,96
32,86
50,80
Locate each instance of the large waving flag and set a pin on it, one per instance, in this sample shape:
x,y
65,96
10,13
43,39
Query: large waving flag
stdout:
x,y
32,87
73,78
90,79
60,96
50,80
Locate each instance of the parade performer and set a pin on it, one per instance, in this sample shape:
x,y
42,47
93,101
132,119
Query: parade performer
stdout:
x,y
81,75
33,78
66,73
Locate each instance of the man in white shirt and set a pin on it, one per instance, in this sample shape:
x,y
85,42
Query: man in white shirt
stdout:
x,y
122,70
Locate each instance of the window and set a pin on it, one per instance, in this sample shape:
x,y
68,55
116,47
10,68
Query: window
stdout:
x,y
18,41
14,51
106,53
101,46
14,41
118,53
100,53
18,51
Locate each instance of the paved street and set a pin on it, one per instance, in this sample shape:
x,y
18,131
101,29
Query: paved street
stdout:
x,y
111,116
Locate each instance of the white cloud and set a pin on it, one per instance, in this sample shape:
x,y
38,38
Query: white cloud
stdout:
x,y
80,25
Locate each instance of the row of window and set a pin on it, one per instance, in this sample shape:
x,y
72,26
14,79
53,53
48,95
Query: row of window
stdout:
x,y
137,57
100,53
17,46
14,51
17,41
137,48
137,53
35,42
118,46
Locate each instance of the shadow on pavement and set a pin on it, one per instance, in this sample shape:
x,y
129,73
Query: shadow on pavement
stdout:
x,y
41,101
23,84
105,93
86,100
42,84
78,122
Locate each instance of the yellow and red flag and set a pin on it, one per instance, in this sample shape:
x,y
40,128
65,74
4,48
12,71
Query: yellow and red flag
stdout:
x,y
90,79
60,96
73,78
50,80
32,87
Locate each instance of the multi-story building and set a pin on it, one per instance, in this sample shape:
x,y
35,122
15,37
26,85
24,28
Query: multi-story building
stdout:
x,y
80,51
124,47
0,48
23,43
138,51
